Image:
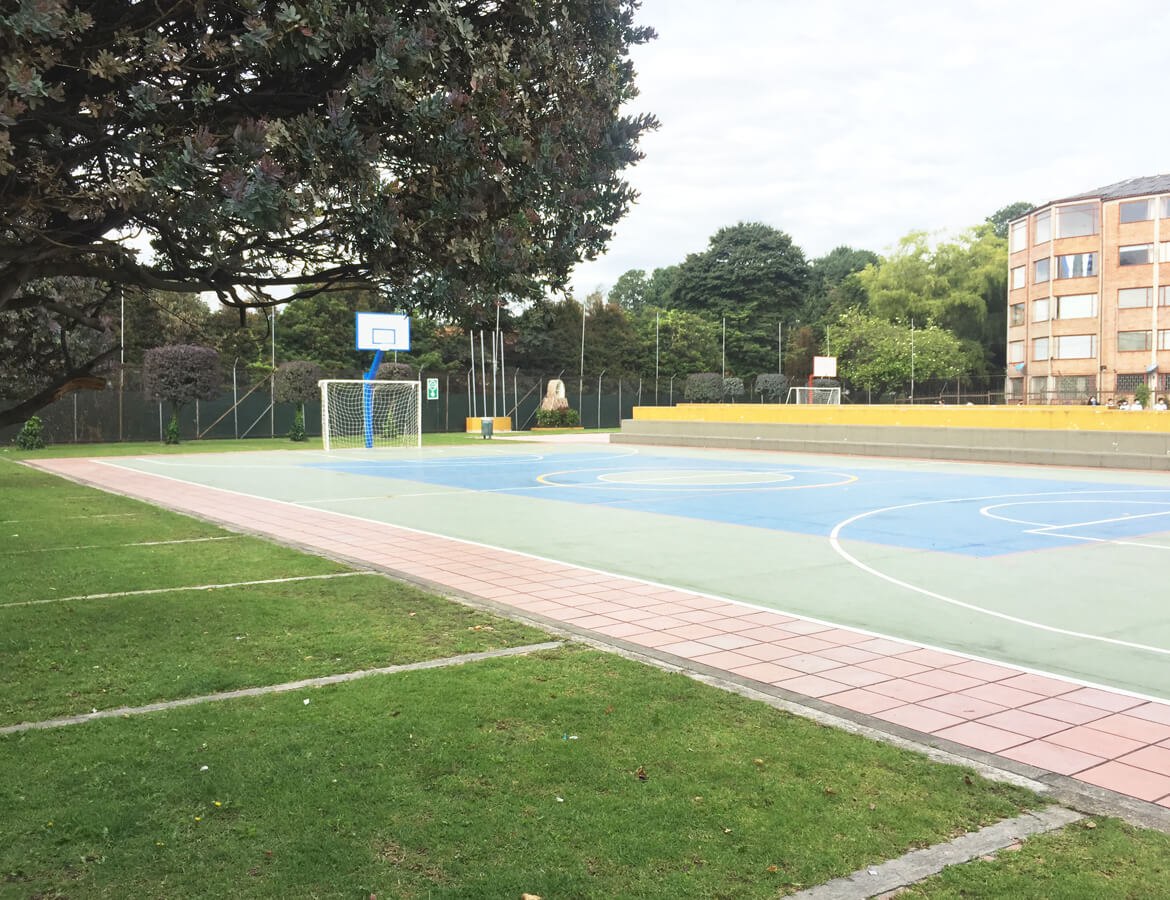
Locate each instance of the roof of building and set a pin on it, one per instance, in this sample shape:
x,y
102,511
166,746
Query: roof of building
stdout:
x,y
1131,187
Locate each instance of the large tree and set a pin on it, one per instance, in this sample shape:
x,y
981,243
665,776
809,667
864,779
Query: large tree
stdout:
x,y
269,151
752,275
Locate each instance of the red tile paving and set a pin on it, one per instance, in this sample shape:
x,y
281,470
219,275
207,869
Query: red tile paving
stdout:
x,y
1101,737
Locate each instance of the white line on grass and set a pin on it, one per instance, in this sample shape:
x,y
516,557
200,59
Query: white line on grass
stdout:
x,y
126,711
59,518
1019,667
193,587
230,537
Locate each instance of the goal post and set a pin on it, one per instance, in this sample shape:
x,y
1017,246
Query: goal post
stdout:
x,y
365,413
826,396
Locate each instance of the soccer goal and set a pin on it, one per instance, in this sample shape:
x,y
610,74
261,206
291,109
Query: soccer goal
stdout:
x,y
828,396
370,413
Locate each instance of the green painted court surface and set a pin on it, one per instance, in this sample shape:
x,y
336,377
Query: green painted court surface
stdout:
x,y
1056,570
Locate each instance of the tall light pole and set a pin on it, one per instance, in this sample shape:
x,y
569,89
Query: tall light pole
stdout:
x,y
581,374
655,358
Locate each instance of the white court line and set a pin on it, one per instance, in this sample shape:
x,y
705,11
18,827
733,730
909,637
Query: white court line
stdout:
x,y
192,587
230,537
1081,682
835,542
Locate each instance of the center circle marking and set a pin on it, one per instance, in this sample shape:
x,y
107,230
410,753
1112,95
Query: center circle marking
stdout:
x,y
692,478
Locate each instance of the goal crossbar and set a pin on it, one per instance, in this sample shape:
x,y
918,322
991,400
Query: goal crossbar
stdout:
x,y
370,413
827,396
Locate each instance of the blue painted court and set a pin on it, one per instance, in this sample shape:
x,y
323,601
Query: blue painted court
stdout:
x,y
962,513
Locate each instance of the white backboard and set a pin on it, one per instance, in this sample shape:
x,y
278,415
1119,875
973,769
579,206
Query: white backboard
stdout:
x,y
824,367
382,331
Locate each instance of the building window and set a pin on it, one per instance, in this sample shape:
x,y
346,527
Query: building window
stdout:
x,y
1019,235
1129,382
1076,221
1017,314
1164,379
1164,340
1039,387
1044,226
1076,306
1076,265
1133,340
1040,310
1015,388
1134,298
1075,346
1137,210
1041,272
1135,255
1166,207
1040,348
1015,351
1164,296
1164,251
1076,388
1019,277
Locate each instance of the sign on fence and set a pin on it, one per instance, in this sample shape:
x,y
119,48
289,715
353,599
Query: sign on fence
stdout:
x,y
432,388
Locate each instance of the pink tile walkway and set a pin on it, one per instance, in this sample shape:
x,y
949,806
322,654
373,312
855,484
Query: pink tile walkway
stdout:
x,y
1097,736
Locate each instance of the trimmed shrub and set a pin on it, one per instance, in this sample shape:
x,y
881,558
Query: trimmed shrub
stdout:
x,y
296,382
178,374
557,418
772,387
732,388
30,437
395,371
704,387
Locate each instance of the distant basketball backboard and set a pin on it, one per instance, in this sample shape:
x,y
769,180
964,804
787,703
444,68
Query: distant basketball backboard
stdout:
x,y
382,331
824,367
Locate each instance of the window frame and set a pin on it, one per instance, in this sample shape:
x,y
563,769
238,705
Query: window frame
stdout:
x,y
1017,314
1147,210
1073,209
1045,219
1037,343
1036,279
1060,341
1041,303
1018,230
1148,341
1093,265
1148,293
1060,301
1015,352
1121,251
1019,277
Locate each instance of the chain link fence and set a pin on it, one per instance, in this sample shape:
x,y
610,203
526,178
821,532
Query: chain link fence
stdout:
x,y
123,412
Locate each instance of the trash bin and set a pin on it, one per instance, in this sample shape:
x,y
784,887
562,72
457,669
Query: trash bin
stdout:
x,y
485,426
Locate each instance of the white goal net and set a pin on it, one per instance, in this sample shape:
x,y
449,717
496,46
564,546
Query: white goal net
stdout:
x,y
828,396
370,414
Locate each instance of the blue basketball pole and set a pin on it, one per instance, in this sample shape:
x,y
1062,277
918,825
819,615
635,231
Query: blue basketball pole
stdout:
x,y
368,399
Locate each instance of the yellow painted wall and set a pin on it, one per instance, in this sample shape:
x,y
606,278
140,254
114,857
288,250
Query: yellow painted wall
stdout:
x,y
1059,418
499,423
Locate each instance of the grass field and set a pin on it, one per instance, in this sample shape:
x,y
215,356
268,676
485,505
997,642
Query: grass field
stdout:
x,y
564,773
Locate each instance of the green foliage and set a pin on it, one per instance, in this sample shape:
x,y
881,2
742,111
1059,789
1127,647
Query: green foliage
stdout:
x,y
416,153
296,382
875,354
753,276
704,387
1002,217
557,418
30,437
172,433
772,387
390,428
1142,395
629,291
395,371
297,432
732,388
687,342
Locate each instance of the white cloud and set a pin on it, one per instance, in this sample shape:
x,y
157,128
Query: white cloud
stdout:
x,y
843,122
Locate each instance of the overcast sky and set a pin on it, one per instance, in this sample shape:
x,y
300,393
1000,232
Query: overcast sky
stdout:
x,y
849,122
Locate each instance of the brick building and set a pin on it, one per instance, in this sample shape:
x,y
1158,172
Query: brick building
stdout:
x,y
1089,295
